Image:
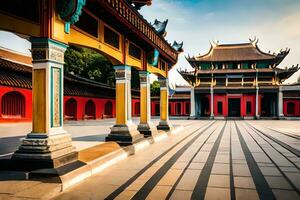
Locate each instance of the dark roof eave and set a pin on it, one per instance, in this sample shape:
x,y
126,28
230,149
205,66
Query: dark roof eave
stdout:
x,y
218,61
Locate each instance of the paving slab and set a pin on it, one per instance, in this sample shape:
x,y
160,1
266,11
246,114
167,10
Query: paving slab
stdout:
x,y
265,165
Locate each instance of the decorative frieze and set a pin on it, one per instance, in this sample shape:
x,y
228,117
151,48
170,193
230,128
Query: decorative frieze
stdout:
x,y
122,72
56,97
44,50
144,77
163,82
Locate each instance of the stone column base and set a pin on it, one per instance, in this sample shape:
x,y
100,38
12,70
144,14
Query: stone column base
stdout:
x,y
40,151
164,125
192,117
257,117
281,116
147,129
124,135
212,117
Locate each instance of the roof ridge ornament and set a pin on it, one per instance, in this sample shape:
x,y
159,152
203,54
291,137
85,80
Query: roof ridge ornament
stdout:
x,y
138,4
254,41
213,43
178,46
160,27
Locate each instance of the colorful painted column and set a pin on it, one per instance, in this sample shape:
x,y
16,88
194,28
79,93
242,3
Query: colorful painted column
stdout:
x,y
145,127
280,103
164,123
192,103
48,145
124,131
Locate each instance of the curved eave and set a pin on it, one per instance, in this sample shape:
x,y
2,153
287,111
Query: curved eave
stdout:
x,y
279,57
188,76
235,71
264,53
261,56
284,74
192,62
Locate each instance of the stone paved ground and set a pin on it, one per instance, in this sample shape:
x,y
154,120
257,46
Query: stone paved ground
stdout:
x,y
208,160
84,133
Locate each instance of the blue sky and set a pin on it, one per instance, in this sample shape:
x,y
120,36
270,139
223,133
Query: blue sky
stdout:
x,y
196,22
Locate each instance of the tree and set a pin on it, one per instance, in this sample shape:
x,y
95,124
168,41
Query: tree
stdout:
x,y
89,64
155,88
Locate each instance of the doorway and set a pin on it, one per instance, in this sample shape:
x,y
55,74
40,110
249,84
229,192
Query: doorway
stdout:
x,y
268,105
234,107
205,107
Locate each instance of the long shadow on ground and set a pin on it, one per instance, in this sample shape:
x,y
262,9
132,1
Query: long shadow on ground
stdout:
x,y
9,144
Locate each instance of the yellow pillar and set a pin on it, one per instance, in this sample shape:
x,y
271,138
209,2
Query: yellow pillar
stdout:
x,y
164,123
124,131
48,145
145,127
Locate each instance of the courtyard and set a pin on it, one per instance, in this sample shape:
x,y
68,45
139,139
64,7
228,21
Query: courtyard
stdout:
x,y
208,159
144,99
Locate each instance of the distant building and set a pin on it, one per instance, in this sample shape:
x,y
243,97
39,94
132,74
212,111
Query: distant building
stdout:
x,y
239,80
83,98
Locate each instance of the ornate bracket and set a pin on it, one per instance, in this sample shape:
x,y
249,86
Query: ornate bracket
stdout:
x,y
69,11
153,58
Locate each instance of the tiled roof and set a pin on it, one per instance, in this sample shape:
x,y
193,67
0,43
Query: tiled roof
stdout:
x,y
19,75
237,52
15,74
12,79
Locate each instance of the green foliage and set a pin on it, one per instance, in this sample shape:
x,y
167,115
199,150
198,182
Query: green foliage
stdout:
x,y
89,64
155,88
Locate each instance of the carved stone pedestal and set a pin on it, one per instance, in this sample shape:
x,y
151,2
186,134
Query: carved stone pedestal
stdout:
x,y
48,146
147,129
39,151
164,125
124,135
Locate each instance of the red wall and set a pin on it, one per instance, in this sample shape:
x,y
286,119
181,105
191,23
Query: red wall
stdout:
x,y
297,107
100,105
243,98
220,98
172,108
81,101
135,111
153,104
174,111
28,105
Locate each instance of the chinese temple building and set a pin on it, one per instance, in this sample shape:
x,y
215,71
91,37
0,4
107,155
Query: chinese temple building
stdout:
x,y
82,99
239,80
113,28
